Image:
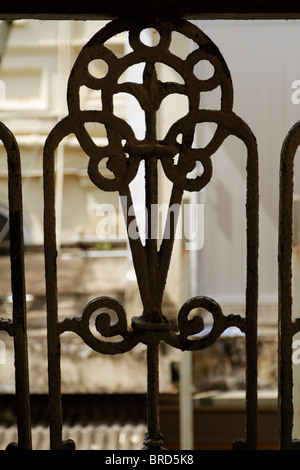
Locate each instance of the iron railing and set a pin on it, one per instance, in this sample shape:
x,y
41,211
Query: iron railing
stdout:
x,y
125,154
151,262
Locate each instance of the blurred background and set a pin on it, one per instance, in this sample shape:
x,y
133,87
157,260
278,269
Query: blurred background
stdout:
x,y
104,396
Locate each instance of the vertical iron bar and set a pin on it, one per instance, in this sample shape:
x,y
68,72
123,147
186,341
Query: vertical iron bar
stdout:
x,y
252,221
55,411
286,327
153,439
18,288
252,215
50,251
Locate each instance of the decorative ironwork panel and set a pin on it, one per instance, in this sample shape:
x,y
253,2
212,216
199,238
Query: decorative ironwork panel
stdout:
x,y
17,326
124,153
287,327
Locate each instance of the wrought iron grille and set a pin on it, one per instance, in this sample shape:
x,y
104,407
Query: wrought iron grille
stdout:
x,y
125,152
151,262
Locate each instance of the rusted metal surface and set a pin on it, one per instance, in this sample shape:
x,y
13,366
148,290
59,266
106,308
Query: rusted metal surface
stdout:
x,y
287,327
125,153
17,326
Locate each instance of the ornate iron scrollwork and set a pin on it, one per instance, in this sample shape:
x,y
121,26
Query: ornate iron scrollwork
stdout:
x,y
124,152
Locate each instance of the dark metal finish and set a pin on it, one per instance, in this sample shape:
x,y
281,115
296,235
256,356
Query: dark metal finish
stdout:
x,y
17,326
151,264
110,9
287,326
125,153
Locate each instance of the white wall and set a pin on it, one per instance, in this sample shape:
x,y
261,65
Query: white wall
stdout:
x,y
264,60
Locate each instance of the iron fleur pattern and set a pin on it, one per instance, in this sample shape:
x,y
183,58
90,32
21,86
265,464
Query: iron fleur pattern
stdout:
x,y
124,153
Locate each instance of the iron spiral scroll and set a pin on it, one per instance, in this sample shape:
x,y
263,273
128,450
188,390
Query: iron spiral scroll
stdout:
x,y
124,153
